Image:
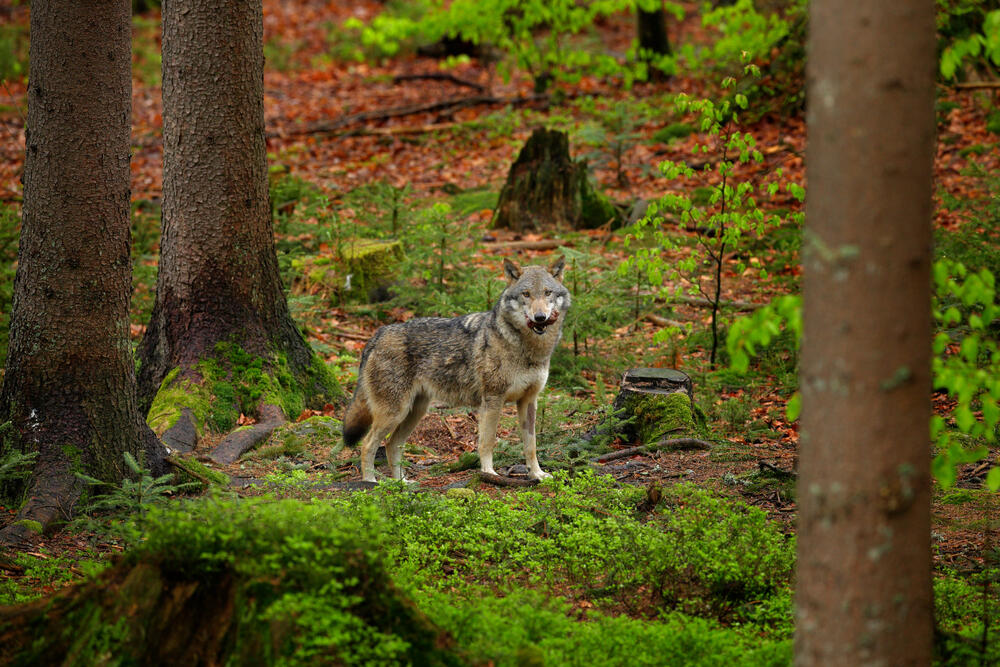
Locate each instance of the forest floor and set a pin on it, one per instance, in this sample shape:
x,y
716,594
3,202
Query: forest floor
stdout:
x,y
309,97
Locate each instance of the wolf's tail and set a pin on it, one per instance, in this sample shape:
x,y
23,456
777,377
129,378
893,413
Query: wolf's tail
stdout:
x,y
358,419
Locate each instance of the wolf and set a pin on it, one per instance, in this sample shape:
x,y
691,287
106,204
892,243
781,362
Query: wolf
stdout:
x,y
480,360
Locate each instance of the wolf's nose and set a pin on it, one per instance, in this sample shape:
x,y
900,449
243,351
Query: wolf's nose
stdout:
x,y
540,317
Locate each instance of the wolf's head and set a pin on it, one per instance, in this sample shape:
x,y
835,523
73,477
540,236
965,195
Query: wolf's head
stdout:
x,y
535,298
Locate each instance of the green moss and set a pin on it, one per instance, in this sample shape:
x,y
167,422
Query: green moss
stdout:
x,y
595,208
673,131
200,470
33,526
659,416
175,394
374,265
233,381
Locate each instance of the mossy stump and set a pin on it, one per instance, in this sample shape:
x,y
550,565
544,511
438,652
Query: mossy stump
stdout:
x,y
546,188
654,404
373,266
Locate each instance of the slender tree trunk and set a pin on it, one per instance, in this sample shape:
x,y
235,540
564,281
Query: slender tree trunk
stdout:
x,y
218,279
863,583
69,387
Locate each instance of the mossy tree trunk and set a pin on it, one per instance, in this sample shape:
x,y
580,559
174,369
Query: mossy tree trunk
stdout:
x,y
69,387
218,279
546,188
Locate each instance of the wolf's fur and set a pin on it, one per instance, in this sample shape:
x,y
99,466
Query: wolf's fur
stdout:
x,y
481,360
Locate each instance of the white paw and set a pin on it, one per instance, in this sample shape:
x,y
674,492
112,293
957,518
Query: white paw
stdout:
x,y
489,470
540,474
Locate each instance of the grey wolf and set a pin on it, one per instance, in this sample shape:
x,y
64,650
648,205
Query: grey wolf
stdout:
x,y
481,360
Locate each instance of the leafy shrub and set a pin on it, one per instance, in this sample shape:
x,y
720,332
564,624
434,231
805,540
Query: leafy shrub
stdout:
x,y
968,36
537,35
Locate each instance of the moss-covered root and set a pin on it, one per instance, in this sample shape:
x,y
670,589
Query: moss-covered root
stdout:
x,y
217,390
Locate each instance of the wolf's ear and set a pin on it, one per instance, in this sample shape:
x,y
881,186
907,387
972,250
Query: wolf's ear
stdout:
x,y
511,270
557,268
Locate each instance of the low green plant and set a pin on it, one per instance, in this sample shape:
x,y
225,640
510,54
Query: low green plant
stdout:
x,y
968,36
544,39
137,492
13,52
723,222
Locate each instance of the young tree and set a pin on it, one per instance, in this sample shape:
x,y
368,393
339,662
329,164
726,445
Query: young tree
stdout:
x,y
218,277
69,387
863,582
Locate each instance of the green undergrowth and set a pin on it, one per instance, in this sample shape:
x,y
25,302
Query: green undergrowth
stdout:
x,y
569,573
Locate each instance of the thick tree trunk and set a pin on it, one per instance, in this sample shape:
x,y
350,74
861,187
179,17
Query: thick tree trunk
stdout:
x,y
218,279
863,582
69,388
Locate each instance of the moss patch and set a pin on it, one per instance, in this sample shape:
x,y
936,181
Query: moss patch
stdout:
x,y
658,416
234,381
374,266
175,394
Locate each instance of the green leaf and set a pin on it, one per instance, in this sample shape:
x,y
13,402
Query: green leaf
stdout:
x,y
993,478
794,407
944,471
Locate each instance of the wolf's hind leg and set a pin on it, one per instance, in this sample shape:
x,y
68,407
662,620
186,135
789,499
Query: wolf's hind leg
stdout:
x,y
489,416
394,447
380,428
526,409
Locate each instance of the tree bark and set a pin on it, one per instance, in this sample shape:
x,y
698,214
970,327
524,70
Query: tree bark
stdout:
x,y
69,387
218,277
863,583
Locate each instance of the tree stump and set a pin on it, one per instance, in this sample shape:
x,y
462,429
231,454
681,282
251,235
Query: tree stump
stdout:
x,y
546,188
654,403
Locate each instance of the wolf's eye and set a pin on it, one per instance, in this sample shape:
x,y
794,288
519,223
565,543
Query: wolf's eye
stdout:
x,y
526,293
548,292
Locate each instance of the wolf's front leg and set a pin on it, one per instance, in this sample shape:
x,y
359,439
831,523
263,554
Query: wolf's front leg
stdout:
x,y
489,416
526,409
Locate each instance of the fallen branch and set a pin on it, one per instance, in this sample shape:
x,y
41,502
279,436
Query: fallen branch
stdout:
x,y
977,85
671,444
326,127
548,244
621,454
700,301
175,462
439,76
499,480
664,322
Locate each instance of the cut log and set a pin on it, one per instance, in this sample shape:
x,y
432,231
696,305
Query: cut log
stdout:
x,y
546,188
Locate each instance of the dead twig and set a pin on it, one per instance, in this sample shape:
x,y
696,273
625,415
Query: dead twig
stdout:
x,y
439,76
977,85
327,127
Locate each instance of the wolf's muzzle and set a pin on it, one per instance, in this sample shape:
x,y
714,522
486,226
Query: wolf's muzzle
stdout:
x,y
539,327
